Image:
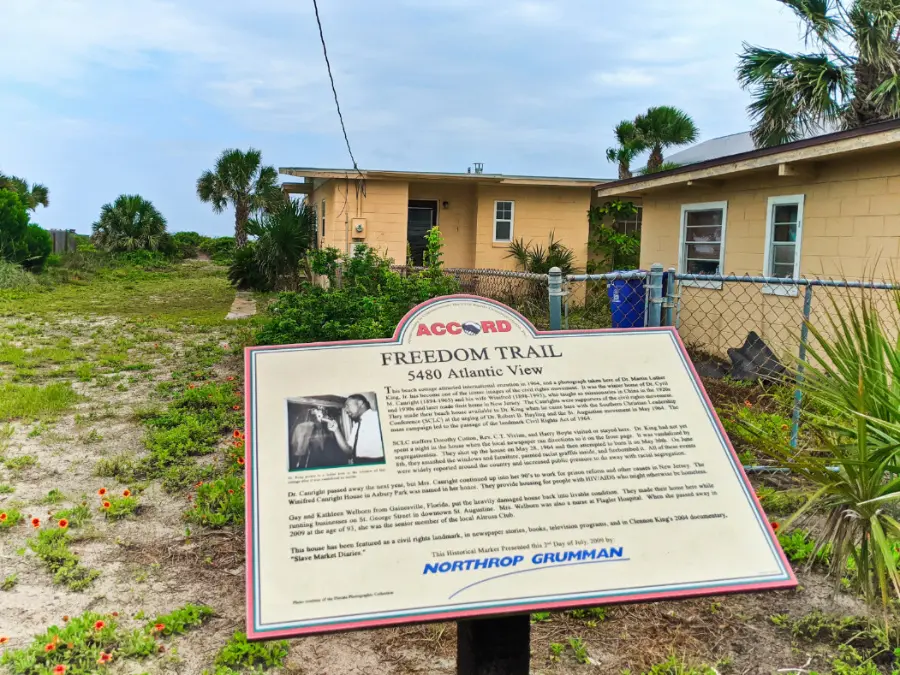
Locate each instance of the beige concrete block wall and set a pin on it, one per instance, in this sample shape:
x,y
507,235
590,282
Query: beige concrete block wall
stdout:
x,y
456,222
384,206
538,211
851,229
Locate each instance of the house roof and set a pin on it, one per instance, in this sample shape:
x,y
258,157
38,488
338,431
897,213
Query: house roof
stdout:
x,y
308,174
722,146
790,159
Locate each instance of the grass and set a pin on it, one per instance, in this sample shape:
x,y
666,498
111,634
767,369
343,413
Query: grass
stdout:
x,y
240,654
51,545
34,402
200,293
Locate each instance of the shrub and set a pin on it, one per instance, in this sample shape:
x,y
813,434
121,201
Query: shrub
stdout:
x,y
187,244
219,503
34,248
535,258
13,224
179,621
245,272
219,249
241,653
12,276
284,235
116,507
131,223
370,302
853,383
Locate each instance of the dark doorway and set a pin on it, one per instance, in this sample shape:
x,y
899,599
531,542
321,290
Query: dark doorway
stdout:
x,y
421,217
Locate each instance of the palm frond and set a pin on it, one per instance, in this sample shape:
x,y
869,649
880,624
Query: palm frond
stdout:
x,y
819,18
795,94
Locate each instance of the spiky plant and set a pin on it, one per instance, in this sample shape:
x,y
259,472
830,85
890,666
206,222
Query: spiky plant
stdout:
x,y
131,223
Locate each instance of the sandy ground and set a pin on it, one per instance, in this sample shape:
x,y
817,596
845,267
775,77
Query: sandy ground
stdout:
x,y
148,565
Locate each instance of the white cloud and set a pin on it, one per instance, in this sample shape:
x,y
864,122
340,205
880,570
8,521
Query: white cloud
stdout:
x,y
625,77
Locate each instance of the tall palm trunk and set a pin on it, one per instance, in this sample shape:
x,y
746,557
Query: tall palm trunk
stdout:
x,y
624,171
241,216
862,109
656,158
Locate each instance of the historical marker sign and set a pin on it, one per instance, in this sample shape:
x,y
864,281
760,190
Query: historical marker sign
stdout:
x,y
473,466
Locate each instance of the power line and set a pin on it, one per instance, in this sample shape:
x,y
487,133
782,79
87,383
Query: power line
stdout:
x,y
333,90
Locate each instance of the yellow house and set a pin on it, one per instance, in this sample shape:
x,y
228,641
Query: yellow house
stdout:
x,y
825,206
478,214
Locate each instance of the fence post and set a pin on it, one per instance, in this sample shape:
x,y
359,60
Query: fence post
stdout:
x,y
669,304
654,311
555,293
798,392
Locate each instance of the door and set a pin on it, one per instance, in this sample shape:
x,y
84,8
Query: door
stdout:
x,y
421,217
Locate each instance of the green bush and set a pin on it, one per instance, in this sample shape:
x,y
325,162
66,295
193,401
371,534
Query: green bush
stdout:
x,y
219,249
131,223
12,276
13,224
34,248
370,302
219,503
187,244
245,272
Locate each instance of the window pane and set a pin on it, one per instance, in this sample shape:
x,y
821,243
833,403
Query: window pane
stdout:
x,y
786,233
703,233
703,266
712,217
785,213
784,255
502,229
504,210
702,251
783,271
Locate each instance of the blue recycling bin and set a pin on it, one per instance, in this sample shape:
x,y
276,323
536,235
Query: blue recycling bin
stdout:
x,y
627,302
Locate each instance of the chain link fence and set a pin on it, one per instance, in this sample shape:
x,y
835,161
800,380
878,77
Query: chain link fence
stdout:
x,y
524,292
614,300
718,314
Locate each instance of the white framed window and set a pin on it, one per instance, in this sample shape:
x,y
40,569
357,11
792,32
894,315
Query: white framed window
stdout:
x,y
702,241
784,232
504,217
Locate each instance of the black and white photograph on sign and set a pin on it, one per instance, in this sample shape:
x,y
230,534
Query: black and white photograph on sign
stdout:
x,y
329,431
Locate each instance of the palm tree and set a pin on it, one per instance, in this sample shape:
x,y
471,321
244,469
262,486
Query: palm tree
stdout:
x,y
240,179
796,95
31,196
284,235
664,127
131,223
630,145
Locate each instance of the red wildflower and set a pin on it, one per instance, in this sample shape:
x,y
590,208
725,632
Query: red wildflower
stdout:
x,y
237,434
106,505
230,378
63,523
160,627
235,407
49,647
156,345
101,491
115,614
190,498
71,645
190,386
240,460
126,493
748,404
3,517
99,625
162,648
3,639
105,657
775,526
225,346
238,444
198,483
60,669
35,522
65,617
231,492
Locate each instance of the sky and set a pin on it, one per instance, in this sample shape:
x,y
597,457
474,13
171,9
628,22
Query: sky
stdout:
x,y
105,97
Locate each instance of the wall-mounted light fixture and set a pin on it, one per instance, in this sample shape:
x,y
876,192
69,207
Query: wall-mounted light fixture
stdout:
x,y
446,205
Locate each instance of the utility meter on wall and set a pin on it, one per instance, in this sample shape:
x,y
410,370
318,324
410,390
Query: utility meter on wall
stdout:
x,y
358,228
